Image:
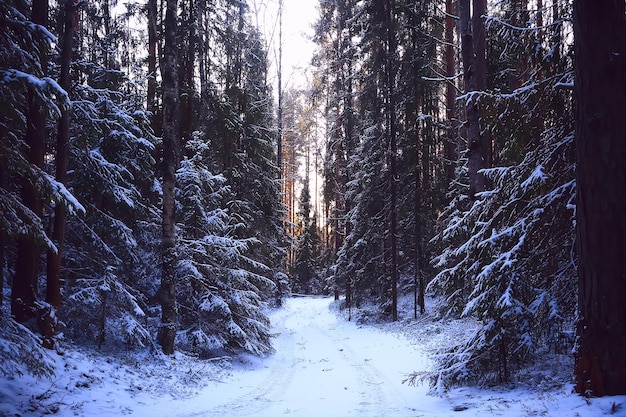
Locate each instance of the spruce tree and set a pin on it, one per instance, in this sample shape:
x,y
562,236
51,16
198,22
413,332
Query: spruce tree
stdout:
x,y
489,267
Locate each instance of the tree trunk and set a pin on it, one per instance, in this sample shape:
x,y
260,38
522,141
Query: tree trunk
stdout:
x,y
279,139
474,73
151,102
3,242
24,287
451,143
480,63
393,169
600,92
418,278
169,75
345,85
53,287
186,82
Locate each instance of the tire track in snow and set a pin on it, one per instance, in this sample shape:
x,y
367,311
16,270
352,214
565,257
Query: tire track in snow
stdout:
x,y
322,367
259,396
378,397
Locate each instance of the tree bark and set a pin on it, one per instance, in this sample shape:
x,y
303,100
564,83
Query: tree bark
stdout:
x,y
279,139
151,103
186,83
3,242
474,74
169,75
418,277
53,285
480,63
393,169
24,286
600,92
451,143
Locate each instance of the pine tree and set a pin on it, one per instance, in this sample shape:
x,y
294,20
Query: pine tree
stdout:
x,y
600,44
171,150
26,45
31,103
53,287
25,284
107,258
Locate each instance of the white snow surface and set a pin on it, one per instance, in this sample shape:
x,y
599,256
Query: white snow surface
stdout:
x,y
324,366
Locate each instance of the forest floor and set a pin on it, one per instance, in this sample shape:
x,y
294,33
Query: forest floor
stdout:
x,y
324,366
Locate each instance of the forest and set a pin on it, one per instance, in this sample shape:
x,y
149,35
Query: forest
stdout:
x,y
161,190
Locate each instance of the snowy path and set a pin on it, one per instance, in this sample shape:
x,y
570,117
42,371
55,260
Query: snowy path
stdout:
x,y
323,367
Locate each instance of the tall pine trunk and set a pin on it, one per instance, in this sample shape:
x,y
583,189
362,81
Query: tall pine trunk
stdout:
x,y
24,286
279,139
600,91
151,102
53,286
480,63
393,169
474,73
451,144
3,242
169,75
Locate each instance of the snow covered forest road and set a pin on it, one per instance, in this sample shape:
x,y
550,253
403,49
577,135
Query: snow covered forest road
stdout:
x,y
322,367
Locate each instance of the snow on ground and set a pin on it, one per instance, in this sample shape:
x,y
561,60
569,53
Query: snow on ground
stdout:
x,y
324,366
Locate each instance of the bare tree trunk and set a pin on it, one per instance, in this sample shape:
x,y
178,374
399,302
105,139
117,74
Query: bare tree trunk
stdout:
x,y
24,287
474,73
451,144
171,148
393,169
103,318
600,92
3,242
151,102
418,278
53,287
279,139
186,82
480,62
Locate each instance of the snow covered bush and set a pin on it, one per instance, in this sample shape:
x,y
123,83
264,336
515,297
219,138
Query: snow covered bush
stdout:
x,y
221,303
21,350
104,310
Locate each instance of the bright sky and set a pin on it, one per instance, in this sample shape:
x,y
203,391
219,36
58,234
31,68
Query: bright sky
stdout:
x,y
299,16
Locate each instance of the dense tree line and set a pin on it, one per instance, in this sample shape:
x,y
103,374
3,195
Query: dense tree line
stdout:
x,y
141,164
450,167
138,161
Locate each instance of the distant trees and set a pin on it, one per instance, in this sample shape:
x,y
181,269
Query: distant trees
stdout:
x,y
382,124
306,270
